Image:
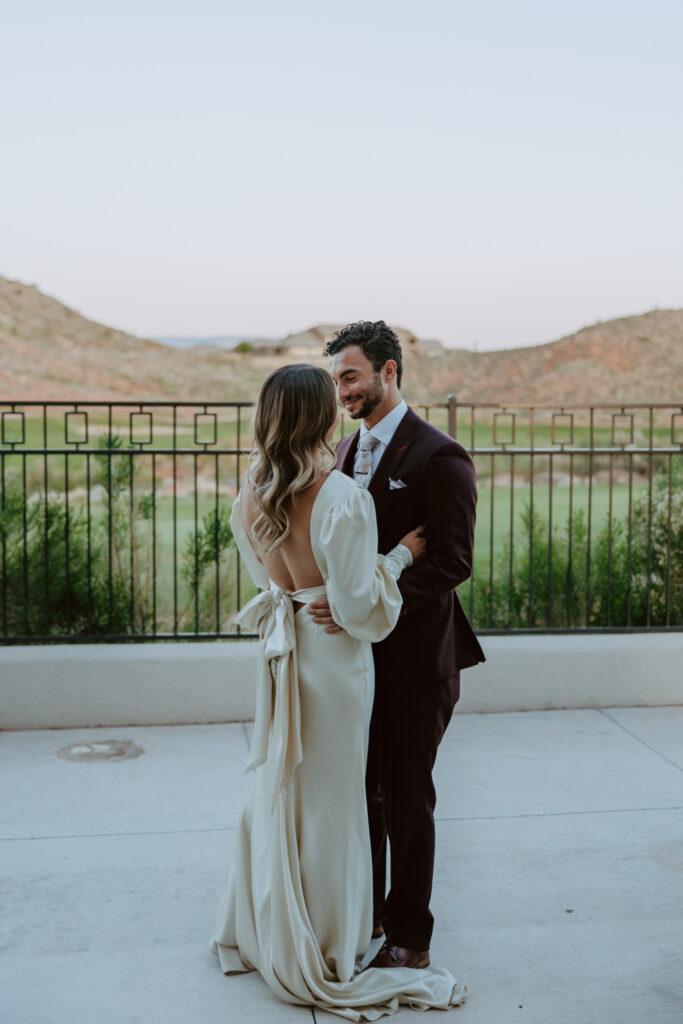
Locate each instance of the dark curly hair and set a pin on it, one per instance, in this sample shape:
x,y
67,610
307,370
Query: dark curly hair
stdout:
x,y
377,341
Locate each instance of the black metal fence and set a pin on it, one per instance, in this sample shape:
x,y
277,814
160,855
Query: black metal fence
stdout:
x,y
580,516
114,518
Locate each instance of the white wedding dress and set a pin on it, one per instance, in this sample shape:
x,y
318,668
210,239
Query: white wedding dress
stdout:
x,y
297,906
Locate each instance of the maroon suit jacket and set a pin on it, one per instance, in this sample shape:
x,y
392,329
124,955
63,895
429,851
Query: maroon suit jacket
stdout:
x,y
433,638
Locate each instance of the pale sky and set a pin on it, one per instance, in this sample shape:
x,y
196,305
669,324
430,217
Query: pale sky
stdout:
x,y
485,172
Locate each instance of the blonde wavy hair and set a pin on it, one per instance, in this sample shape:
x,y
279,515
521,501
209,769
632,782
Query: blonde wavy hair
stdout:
x,y
295,410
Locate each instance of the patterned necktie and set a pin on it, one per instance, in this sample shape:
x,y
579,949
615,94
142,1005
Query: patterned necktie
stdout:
x,y
362,470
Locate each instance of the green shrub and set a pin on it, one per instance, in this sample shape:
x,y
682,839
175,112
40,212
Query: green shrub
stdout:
x,y
612,579
55,579
203,559
124,519
67,575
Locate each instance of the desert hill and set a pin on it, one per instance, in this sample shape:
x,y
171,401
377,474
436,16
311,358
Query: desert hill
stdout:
x,y
630,359
49,351
52,352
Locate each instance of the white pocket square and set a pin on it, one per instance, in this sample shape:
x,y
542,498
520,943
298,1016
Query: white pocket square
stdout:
x,y
395,485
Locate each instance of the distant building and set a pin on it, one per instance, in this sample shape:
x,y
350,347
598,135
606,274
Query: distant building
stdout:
x,y
311,342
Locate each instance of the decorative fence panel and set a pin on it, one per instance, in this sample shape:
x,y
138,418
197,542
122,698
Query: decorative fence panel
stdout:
x,y
114,518
580,516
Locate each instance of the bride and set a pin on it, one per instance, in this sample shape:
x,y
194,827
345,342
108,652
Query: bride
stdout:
x,y
297,905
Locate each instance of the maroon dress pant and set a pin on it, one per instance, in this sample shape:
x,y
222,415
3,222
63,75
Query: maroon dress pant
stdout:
x,y
408,721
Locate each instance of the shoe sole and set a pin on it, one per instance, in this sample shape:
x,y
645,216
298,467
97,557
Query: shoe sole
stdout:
x,y
413,967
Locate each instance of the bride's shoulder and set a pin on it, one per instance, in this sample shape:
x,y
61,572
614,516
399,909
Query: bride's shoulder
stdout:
x,y
340,479
343,511
341,494
338,484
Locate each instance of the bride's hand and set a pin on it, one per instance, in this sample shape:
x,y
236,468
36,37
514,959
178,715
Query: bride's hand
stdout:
x,y
415,542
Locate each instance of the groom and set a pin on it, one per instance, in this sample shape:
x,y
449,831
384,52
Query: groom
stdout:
x,y
416,475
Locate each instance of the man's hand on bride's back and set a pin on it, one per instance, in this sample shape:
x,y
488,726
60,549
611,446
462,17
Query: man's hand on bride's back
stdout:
x,y
415,542
322,616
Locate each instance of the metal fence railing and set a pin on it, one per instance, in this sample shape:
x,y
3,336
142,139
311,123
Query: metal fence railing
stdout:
x,y
114,518
580,516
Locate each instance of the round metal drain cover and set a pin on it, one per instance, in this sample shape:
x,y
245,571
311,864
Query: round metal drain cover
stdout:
x,y
101,750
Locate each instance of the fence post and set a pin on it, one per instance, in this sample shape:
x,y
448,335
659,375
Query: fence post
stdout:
x,y
452,412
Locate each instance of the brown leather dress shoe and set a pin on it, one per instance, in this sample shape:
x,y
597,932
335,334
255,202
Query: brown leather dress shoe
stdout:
x,y
377,929
397,956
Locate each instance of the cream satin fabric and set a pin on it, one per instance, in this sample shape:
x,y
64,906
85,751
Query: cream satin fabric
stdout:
x,y
297,905
271,615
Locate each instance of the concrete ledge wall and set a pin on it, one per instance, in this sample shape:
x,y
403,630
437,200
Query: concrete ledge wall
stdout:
x,y
181,683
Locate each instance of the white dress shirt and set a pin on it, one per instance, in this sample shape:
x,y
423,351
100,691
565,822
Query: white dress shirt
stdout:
x,y
383,432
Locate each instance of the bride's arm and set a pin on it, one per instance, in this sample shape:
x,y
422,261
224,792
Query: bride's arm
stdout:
x,y
244,546
362,591
407,551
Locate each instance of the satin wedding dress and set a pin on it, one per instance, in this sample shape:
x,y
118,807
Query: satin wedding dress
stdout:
x,y
297,906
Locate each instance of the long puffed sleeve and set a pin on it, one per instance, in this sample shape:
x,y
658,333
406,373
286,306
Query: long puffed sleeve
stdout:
x,y
361,585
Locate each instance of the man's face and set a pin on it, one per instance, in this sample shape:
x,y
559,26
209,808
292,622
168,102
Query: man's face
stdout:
x,y
359,387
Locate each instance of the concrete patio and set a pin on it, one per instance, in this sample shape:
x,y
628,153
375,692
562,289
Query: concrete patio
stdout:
x,y
558,891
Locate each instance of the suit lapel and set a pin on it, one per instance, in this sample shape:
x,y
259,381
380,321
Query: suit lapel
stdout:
x,y
394,454
347,454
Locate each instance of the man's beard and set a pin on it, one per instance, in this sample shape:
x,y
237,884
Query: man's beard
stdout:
x,y
370,400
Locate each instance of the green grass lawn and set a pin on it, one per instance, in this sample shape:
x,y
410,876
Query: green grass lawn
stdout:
x,y
496,504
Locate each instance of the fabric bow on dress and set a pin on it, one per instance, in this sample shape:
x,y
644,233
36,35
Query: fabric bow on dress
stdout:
x,y
277,725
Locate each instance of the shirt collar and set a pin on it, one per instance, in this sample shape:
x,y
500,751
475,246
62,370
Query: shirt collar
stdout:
x,y
386,428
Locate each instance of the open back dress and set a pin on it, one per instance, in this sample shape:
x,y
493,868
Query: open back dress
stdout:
x,y
297,905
